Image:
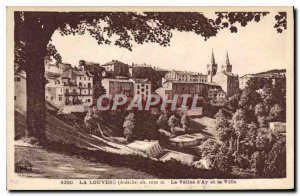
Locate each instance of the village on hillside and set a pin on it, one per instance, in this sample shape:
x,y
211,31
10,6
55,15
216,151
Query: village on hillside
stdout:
x,y
238,127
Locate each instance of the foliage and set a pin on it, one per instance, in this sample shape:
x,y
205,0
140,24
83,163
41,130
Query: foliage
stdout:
x,y
129,127
270,158
281,22
52,53
268,96
263,141
276,161
23,166
162,121
173,122
276,113
146,127
223,127
258,162
233,102
217,155
185,122
248,99
91,120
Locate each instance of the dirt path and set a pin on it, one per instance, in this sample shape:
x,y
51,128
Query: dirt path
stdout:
x,y
53,165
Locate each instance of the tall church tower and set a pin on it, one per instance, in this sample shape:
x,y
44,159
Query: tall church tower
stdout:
x,y
227,67
212,67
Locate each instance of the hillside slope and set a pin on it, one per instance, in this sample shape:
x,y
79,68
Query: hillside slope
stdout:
x,y
59,130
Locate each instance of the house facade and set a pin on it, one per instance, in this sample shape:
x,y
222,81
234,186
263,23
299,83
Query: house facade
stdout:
x,y
141,88
73,87
116,68
216,94
171,88
115,86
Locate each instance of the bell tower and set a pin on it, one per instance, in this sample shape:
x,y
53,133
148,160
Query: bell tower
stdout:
x,y
212,67
227,67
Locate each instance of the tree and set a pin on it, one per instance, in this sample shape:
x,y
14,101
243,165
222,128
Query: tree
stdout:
x,y
260,110
129,127
33,31
258,162
217,155
173,122
252,135
240,127
52,53
276,113
233,102
90,119
276,161
162,120
223,128
267,96
248,99
185,122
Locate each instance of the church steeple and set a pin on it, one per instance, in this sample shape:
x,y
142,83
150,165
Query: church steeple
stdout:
x,y
212,57
227,58
212,68
227,67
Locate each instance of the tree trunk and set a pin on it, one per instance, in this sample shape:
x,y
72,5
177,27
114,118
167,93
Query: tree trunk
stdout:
x,y
35,84
35,33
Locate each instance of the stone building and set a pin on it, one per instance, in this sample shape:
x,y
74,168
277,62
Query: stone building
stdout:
x,y
120,85
116,68
244,79
225,78
186,76
127,86
142,88
170,88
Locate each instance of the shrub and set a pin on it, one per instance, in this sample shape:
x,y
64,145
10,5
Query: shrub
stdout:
x,y
23,166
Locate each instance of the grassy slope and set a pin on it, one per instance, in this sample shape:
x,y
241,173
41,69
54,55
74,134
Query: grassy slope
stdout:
x,y
59,130
53,165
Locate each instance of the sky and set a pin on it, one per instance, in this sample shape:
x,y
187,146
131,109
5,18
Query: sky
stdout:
x,y
254,48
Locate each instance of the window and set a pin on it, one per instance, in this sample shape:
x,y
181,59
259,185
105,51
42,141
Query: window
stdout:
x,y
74,90
79,78
67,90
143,90
80,84
15,97
60,98
147,87
138,92
17,79
138,86
143,85
88,100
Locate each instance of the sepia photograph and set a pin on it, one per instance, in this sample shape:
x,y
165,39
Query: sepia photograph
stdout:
x,y
150,98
